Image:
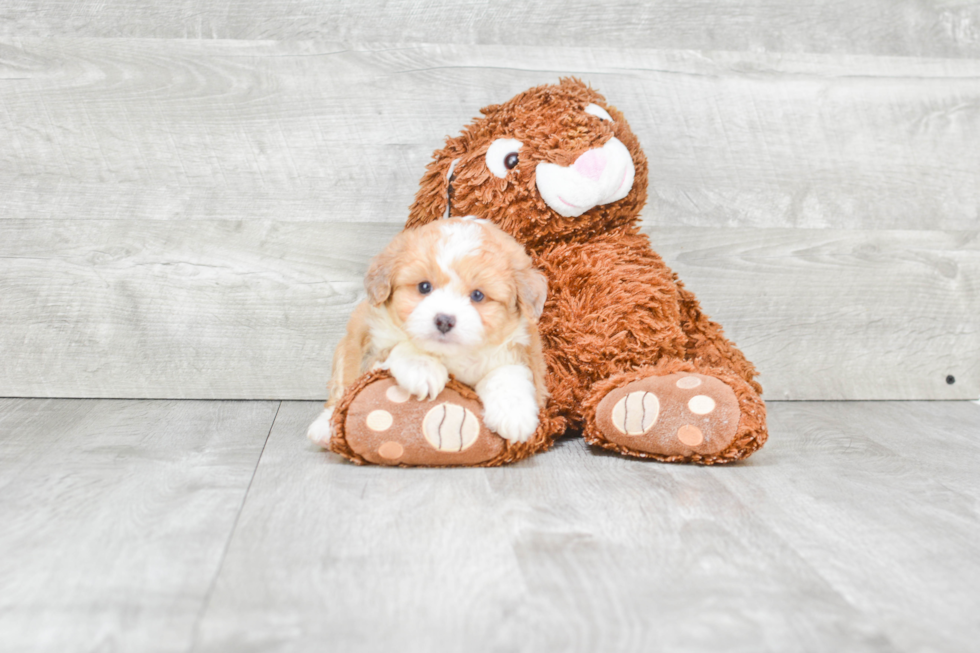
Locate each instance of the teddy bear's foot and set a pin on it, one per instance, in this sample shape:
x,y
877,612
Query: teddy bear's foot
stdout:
x,y
674,416
386,426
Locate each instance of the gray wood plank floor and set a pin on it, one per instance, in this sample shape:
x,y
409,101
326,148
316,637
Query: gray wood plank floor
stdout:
x,y
116,515
214,526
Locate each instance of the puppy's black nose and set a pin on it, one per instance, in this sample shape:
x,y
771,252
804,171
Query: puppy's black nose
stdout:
x,y
445,322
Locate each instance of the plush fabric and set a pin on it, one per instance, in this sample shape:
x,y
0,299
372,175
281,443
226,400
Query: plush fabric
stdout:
x,y
616,314
403,442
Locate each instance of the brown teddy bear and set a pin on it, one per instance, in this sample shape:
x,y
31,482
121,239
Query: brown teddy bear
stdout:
x,y
632,362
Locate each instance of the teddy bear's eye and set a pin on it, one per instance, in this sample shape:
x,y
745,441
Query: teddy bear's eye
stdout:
x,y
502,156
598,112
425,288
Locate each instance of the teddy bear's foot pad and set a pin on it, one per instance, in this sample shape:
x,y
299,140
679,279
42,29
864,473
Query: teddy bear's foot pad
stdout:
x,y
387,426
673,415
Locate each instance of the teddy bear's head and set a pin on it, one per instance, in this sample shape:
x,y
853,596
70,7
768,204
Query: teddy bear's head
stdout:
x,y
555,163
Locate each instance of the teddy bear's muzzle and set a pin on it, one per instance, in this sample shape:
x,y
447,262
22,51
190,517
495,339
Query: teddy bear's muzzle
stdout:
x,y
598,176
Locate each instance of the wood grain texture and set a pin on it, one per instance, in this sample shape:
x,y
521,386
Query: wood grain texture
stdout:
x,y
827,539
884,504
115,517
828,314
177,309
314,131
222,309
889,27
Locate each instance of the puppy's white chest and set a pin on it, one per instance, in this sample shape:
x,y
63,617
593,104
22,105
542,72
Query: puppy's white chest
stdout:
x,y
467,369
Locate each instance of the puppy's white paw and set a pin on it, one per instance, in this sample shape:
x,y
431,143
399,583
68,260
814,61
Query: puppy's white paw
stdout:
x,y
421,376
321,430
509,405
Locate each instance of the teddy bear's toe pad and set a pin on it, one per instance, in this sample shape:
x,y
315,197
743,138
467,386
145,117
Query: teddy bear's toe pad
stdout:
x,y
387,426
672,415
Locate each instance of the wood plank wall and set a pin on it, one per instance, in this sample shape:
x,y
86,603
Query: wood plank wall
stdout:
x,y
190,192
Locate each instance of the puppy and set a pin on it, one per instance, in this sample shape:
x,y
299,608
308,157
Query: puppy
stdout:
x,y
458,296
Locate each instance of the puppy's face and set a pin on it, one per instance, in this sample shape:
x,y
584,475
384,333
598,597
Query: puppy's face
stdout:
x,y
456,284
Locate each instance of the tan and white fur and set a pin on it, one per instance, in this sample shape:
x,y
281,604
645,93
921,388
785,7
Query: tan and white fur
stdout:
x,y
457,296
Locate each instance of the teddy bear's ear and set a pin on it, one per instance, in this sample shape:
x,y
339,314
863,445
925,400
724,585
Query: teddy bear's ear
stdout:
x,y
432,201
532,291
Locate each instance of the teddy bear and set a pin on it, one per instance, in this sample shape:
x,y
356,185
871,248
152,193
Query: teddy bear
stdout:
x,y
633,364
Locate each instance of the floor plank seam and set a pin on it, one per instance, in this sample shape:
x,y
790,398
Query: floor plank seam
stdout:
x,y
206,603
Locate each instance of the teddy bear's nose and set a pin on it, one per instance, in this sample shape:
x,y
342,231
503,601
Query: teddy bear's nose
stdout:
x,y
445,322
591,164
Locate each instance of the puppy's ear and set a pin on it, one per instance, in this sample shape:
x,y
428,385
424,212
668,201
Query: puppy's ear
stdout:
x,y
381,273
532,291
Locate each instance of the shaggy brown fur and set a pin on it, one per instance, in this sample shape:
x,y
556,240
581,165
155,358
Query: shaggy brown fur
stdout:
x,y
615,311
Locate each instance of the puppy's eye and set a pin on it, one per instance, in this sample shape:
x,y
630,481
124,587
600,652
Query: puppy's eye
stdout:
x,y
425,287
476,296
502,156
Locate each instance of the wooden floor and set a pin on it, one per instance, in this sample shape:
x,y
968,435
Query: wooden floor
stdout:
x,y
135,525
